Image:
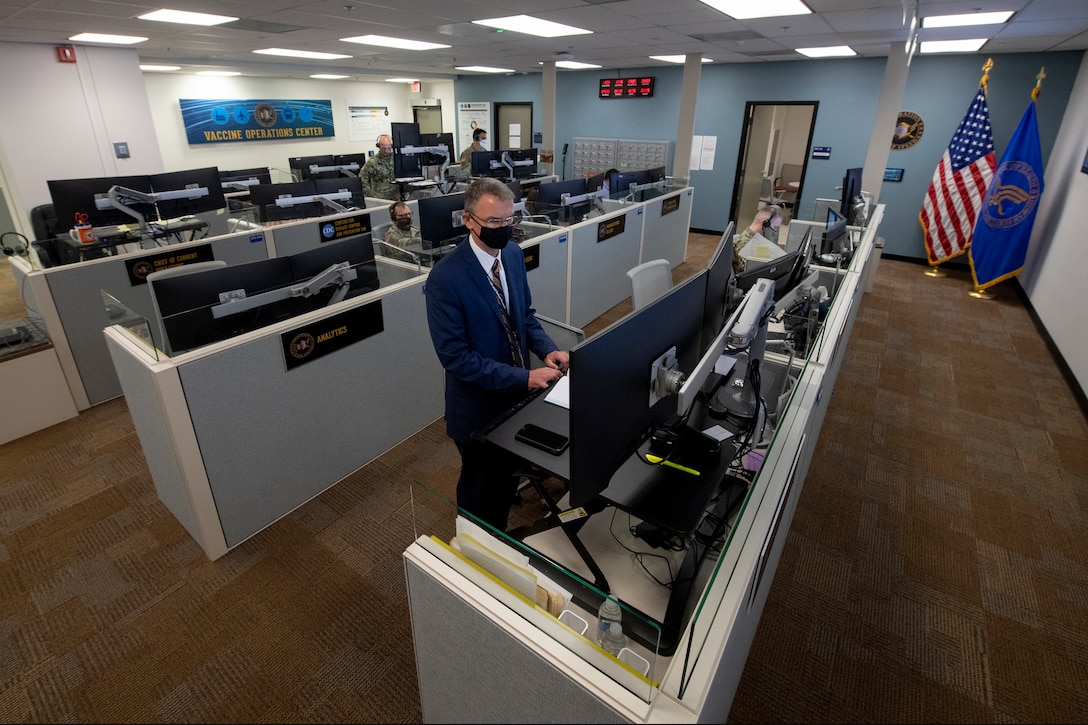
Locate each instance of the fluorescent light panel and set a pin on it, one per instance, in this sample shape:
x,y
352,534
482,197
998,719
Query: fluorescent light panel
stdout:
x,y
160,67
397,43
952,46
956,21
484,69
574,65
401,80
532,26
185,17
676,58
218,73
102,38
749,9
301,54
327,77
831,51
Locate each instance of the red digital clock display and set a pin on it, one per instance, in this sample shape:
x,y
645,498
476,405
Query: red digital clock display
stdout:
x,y
641,87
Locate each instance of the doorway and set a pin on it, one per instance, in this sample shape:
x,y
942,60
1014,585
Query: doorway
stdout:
x,y
513,126
773,157
429,118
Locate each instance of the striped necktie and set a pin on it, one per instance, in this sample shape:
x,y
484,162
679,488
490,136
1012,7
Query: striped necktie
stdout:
x,y
511,333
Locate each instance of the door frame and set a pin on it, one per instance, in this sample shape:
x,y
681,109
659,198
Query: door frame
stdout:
x,y
497,133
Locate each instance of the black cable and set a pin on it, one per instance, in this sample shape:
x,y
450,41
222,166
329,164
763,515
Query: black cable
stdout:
x,y
639,555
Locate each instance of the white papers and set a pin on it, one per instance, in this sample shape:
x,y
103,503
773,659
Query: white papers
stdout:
x,y
560,393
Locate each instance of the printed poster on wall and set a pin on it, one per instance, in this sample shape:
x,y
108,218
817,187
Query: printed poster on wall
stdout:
x,y
470,116
236,121
366,123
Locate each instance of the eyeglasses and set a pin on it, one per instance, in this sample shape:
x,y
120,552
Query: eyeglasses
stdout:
x,y
496,222
400,217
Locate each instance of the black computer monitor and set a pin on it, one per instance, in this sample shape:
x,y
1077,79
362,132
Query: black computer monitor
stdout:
x,y
358,161
657,173
436,214
515,188
549,199
263,196
259,175
406,166
481,163
524,172
610,411
437,139
79,196
851,195
301,167
621,181
719,278
351,184
596,181
806,250
779,271
834,234
206,178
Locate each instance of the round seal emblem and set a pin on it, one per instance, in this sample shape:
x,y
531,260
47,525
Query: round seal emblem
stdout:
x,y
908,130
141,269
265,115
1014,193
302,345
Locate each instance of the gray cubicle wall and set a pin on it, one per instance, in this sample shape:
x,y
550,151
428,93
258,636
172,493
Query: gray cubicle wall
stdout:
x,y
273,438
548,279
665,227
598,276
76,290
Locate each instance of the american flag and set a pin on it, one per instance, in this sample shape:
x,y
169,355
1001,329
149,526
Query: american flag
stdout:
x,y
959,185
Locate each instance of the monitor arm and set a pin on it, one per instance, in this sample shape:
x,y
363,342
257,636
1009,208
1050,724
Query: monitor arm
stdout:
x,y
351,169
748,332
441,149
235,301
119,197
509,163
240,184
329,201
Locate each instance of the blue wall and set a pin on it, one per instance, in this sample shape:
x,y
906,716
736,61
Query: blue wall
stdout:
x,y
939,89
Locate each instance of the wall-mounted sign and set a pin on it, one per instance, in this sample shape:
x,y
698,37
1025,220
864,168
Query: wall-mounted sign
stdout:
x,y
612,227
893,174
333,333
908,130
670,205
638,87
821,152
231,121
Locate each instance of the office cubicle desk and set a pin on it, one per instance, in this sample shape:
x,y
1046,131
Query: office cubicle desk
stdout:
x,y
461,613
237,435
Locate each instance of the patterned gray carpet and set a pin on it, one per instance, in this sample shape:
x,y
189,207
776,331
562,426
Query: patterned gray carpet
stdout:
x,y
936,569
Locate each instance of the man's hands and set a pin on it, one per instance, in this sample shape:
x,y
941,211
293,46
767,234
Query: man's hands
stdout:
x,y
761,216
556,365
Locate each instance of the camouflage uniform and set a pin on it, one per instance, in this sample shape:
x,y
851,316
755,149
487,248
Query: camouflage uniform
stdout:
x,y
377,176
399,238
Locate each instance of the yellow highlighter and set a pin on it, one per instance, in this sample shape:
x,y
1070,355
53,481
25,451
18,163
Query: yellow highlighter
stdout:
x,y
670,464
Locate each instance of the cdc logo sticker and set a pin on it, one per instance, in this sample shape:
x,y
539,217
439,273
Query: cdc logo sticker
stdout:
x,y
328,231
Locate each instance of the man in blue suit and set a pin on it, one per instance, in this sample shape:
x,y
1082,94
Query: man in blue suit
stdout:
x,y
483,327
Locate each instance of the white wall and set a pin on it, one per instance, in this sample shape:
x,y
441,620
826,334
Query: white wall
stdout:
x,y
166,89
1057,263
60,120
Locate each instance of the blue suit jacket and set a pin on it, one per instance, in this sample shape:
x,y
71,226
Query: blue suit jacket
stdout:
x,y
466,327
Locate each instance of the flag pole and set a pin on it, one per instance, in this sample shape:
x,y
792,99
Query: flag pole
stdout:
x,y
935,270
987,294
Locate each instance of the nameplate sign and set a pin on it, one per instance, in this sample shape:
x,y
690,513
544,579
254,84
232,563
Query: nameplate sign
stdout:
x,y
138,269
610,228
670,205
331,230
532,257
309,342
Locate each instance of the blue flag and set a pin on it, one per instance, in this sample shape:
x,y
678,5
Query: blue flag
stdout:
x,y
1000,242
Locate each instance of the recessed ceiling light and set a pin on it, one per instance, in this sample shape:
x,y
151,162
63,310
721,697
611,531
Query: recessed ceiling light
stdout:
x,y
186,18
401,80
952,46
218,73
955,21
484,69
398,43
327,77
831,51
677,59
101,38
747,9
574,65
160,67
301,54
532,26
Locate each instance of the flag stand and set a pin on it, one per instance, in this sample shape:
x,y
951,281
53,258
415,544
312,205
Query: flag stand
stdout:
x,y
982,294
935,271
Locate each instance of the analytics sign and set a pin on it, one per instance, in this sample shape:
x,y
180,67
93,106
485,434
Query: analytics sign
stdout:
x,y
229,121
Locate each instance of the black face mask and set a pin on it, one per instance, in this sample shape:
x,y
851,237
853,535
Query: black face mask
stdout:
x,y
404,224
495,238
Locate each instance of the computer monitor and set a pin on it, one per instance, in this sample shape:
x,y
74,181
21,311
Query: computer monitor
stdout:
x,y
301,167
406,166
549,199
851,195
358,161
357,250
657,173
481,163
234,180
515,188
436,219
620,182
610,409
834,234
595,182
351,184
437,139
79,196
778,270
205,178
805,253
263,196
523,155
719,278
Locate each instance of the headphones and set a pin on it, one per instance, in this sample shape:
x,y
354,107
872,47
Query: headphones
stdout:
x,y
393,210
14,250
378,141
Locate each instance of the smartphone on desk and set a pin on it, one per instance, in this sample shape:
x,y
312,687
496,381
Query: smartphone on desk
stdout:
x,y
545,440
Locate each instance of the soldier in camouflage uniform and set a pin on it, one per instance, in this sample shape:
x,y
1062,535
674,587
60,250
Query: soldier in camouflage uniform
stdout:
x,y
402,233
377,174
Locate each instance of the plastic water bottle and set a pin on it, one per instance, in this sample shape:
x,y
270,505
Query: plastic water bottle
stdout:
x,y
609,628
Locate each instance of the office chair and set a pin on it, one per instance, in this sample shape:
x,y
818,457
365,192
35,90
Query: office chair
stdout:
x,y
767,193
787,184
649,281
